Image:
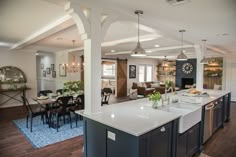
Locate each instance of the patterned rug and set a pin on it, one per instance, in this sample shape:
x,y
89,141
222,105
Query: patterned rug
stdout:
x,y
42,135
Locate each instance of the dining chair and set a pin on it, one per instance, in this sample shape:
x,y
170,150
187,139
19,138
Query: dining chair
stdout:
x,y
106,92
32,112
59,91
62,109
78,105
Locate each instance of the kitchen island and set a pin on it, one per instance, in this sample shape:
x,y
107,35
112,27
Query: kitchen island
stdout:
x,y
135,129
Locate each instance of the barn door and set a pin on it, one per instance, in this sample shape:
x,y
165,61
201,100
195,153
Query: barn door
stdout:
x,y
121,83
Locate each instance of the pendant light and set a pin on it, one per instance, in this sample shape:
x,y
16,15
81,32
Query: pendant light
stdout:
x,y
204,60
138,51
182,56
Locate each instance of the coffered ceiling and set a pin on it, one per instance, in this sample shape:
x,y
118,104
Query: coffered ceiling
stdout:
x,y
43,25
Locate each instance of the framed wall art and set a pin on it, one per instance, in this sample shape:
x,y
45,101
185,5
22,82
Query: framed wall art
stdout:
x,y
44,73
132,71
52,67
48,71
54,74
62,70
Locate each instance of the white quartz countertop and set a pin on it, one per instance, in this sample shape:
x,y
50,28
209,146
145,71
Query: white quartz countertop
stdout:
x,y
198,100
137,117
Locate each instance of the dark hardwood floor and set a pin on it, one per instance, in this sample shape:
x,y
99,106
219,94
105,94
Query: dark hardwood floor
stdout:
x,y
14,144
223,142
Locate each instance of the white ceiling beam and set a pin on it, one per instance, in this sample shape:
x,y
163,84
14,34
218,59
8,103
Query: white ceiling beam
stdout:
x,y
153,50
71,50
217,50
147,37
60,24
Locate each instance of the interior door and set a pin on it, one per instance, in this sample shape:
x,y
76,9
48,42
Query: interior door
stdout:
x,y
121,82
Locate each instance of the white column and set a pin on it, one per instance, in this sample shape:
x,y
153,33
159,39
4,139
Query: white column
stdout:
x,y
92,60
200,70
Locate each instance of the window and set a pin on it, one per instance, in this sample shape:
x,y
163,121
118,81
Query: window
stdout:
x,y
145,73
148,72
108,69
141,74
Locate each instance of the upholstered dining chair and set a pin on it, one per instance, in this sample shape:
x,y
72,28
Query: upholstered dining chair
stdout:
x,y
61,109
32,112
106,92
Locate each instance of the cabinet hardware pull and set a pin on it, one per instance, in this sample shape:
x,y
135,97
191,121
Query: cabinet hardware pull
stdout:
x,y
163,129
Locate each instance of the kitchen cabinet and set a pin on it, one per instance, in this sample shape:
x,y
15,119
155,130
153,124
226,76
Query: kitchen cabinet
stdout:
x,y
160,141
227,101
218,114
188,143
104,141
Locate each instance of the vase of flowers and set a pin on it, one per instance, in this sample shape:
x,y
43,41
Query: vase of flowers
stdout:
x,y
155,98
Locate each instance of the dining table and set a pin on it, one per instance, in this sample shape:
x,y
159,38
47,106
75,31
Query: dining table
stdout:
x,y
48,102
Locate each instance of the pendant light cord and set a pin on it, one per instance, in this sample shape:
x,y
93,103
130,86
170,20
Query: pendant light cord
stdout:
x,y
182,40
138,27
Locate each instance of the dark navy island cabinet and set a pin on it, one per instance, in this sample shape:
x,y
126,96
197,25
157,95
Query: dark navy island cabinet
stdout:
x,y
159,142
227,101
218,114
188,142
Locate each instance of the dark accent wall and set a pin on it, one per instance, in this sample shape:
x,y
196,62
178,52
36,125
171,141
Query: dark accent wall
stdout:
x,y
180,74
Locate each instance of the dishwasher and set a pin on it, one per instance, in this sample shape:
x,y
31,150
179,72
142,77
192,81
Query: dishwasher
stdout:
x,y
208,122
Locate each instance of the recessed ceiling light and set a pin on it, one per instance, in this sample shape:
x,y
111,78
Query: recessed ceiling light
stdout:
x,y
148,51
156,45
113,50
36,54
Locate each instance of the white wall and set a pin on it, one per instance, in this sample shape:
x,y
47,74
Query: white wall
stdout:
x,y
66,58
46,58
24,60
229,75
48,82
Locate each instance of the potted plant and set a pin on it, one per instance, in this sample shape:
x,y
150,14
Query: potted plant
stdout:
x,y
155,98
72,87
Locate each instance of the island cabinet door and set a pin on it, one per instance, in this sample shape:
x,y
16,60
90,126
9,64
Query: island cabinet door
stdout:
x,y
227,100
193,140
160,141
217,115
188,143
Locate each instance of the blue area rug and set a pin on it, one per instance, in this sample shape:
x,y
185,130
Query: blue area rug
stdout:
x,y
42,135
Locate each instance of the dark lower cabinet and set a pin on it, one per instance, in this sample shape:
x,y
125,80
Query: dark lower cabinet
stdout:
x,y
227,101
188,143
160,141
104,141
218,114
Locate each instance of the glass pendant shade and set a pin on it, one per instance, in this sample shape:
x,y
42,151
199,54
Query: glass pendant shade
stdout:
x,y
182,56
138,51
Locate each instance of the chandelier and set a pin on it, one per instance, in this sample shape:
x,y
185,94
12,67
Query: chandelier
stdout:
x,y
74,67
